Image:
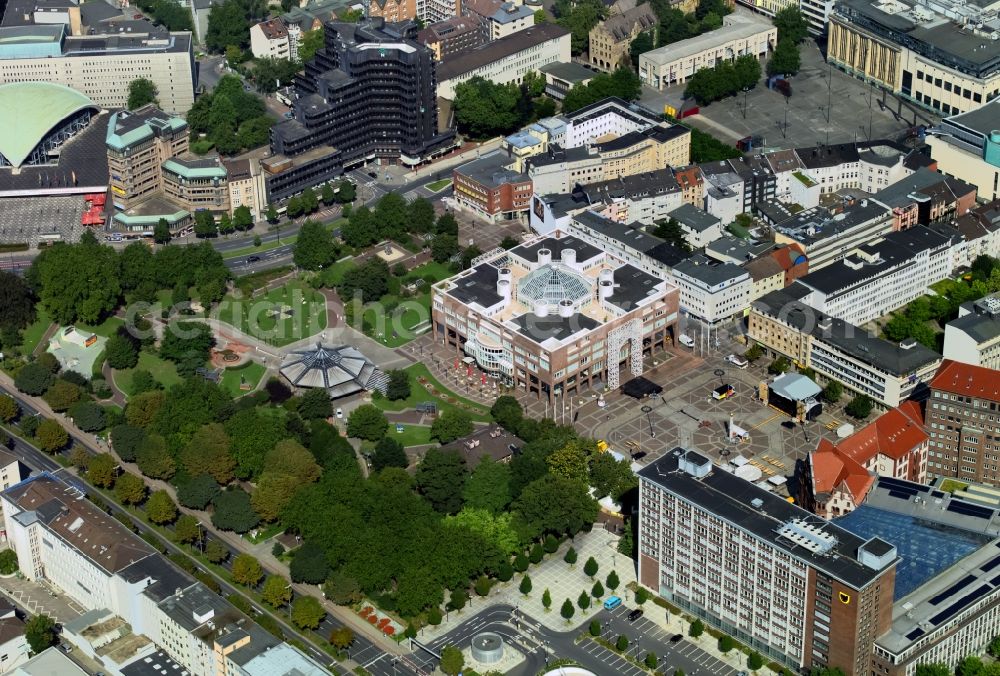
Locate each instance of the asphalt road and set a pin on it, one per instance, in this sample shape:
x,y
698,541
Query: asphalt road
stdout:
x,y
37,461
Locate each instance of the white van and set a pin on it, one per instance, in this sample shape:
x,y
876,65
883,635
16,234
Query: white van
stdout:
x,y
738,361
685,340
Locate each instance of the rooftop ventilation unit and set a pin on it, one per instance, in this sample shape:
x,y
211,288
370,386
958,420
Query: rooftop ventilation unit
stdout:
x,y
811,536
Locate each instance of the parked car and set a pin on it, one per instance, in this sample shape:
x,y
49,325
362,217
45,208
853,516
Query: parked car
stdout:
x,y
676,638
635,615
339,412
738,361
685,340
612,602
253,259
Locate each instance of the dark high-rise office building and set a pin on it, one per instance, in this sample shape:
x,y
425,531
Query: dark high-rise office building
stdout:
x,y
369,93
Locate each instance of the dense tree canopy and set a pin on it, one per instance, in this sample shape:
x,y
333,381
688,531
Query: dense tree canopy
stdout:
x,y
725,79
140,92
441,478
232,118
578,18
623,83
314,247
77,282
229,23
17,302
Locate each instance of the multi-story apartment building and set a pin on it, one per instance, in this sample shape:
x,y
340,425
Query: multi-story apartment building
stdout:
x,y
798,589
501,18
505,59
369,93
274,39
887,372
768,7
393,11
692,183
63,539
877,278
776,269
489,189
451,36
979,230
610,39
555,316
974,337
827,236
626,242
246,186
962,421
700,227
837,476
638,198
102,66
926,197
196,183
138,143
939,56
967,146
559,169
675,63
711,290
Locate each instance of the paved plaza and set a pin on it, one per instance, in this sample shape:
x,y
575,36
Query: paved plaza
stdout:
x,y
818,92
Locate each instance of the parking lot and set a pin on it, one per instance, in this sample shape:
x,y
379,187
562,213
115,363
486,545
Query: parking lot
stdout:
x,y
819,92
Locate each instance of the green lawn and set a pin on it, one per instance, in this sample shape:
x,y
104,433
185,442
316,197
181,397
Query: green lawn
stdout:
x,y
251,371
419,393
106,328
164,372
438,270
399,332
412,435
334,275
438,186
256,316
34,331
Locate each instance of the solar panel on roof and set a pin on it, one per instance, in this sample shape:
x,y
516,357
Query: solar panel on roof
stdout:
x,y
952,589
961,604
995,581
991,564
916,633
900,495
889,482
966,509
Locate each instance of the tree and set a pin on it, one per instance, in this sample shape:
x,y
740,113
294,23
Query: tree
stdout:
x,y
993,648
778,366
342,637
421,215
547,600
367,422
785,60
458,598
51,436
187,344
621,644
316,404
160,508
650,660
569,462
551,544
579,18
246,570
753,353
672,231
452,661
446,225
208,453
440,478
101,470
307,613
8,562
9,409
484,109
342,589
791,24
62,394
242,218
121,352
623,83
88,416
154,458
583,600
140,92
555,505
33,379
641,595
309,564
525,586
482,586
314,248
595,628
696,629
754,661
567,610
399,385
287,467
726,643
507,412
570,556
78,282
161,231
198,491
130,489
597,591
17,303
610,476
443,247
388,453
612,581
536,554
451,425
276,591
233,511
216,552
860,407
590,567
187,529
833,392
520,562
39,630
204,224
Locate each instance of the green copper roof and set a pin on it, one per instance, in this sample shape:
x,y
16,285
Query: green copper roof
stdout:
x,y
29,111
194,171
122,136
150,219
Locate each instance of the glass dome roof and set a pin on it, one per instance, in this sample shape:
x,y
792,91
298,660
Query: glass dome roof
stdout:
x,y
552,283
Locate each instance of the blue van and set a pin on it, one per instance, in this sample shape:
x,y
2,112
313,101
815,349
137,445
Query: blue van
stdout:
x,y
612,602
